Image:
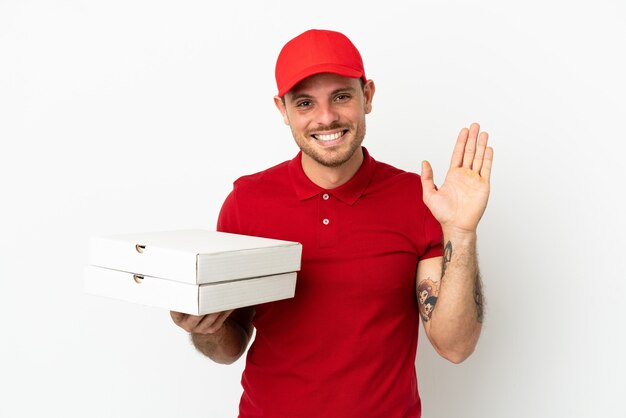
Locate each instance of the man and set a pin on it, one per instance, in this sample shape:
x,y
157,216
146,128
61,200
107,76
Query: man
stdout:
x,y
379,246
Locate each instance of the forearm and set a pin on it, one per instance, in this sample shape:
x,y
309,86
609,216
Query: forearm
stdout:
x,y
457,320
224,346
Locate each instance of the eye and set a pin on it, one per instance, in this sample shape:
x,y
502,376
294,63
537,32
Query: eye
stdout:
x,y
342,97
303,104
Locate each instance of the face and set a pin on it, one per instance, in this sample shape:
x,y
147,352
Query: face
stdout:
x,y
428,308
326,114
423,296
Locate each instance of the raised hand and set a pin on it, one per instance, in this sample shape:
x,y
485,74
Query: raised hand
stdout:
x,y
461,200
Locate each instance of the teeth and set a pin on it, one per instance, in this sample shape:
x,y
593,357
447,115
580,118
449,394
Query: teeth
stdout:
x,y
330,137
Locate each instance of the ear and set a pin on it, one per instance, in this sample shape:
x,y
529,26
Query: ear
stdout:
x,y
280,105
368,92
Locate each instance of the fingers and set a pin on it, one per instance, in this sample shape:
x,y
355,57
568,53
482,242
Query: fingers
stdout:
x,y
485,171
470,145
470,150
185,321
428,184
212,323
177,316
477,163
459,148
205,324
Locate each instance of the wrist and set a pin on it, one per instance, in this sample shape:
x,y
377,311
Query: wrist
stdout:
x,y
457,235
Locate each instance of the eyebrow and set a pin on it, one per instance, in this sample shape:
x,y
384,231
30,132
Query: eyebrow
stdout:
x,y
298,96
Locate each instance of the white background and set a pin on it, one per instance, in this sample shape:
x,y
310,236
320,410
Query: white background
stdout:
x,y
137,115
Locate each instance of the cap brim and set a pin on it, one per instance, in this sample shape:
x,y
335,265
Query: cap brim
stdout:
x,y
338,69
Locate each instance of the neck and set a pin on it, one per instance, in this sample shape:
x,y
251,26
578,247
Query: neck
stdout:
x,y
331,177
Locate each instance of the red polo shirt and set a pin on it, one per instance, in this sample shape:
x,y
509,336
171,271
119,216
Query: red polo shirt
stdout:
x,y
345,345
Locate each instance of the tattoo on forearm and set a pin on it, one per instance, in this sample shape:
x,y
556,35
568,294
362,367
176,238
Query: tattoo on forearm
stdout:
x,y
478,299
427,293
428,290
447,256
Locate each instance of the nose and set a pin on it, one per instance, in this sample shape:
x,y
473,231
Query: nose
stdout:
x,y
326,114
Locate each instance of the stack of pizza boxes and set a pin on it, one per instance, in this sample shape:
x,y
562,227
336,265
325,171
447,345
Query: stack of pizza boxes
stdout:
x,y
192,271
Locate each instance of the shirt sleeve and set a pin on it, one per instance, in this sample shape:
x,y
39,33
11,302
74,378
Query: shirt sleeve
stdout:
x,y
433,236
228,219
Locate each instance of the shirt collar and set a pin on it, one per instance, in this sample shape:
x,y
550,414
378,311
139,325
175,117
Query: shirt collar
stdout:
x,y
348,193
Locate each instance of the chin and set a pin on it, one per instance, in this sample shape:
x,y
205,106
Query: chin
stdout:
x,y
332,159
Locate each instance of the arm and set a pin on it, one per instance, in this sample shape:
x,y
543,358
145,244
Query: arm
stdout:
x,y
451,283
222,336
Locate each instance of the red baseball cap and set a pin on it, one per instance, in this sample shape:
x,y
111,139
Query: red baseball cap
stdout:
x,y
317,51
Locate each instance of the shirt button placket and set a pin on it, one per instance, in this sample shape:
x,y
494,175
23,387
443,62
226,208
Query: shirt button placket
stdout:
x,y
327,231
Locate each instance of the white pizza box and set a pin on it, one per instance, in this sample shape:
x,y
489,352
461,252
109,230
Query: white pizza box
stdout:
x,y
186,297
195,256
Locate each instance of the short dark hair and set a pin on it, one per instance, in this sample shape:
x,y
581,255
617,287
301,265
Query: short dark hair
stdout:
x,y
432,300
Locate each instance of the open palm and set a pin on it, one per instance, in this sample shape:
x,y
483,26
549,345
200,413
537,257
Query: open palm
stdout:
x,y
461,201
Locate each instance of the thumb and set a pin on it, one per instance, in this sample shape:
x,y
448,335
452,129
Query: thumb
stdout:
x,y
428,184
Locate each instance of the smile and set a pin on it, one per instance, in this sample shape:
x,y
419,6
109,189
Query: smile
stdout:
x,y
329,137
